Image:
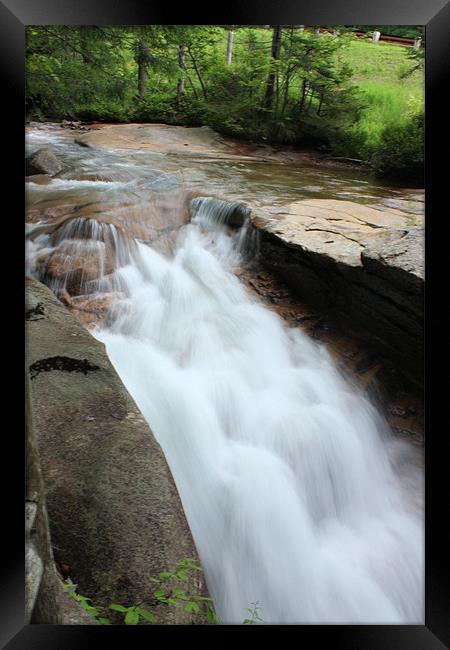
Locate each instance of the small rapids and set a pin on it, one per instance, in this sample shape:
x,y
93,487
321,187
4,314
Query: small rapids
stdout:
x,y
297,496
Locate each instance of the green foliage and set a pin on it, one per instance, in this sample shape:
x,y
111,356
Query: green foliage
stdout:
x,y
86,603
391,92
171,591
401,150
154,108
416,60
133,614
72,68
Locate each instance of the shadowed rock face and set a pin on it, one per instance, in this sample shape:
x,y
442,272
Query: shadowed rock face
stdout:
x,y
116,516
366,266
45,599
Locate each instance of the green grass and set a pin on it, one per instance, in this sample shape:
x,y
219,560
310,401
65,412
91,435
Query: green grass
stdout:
x,y
388,98
381,61
386,104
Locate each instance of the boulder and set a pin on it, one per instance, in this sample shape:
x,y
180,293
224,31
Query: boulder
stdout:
x,y
43,161
81,252
77,270
82,143
115,512
45,598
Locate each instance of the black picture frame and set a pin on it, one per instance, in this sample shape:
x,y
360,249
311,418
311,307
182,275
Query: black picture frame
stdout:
x,y
15,15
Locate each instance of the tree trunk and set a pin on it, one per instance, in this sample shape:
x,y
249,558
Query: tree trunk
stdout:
x,y
182,64
286,91
141,59
197,72
289,71
230,47
320,104
305,86
142,79
276,48
180,88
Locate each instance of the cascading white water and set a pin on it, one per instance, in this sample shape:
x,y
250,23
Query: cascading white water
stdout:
x,y
289,480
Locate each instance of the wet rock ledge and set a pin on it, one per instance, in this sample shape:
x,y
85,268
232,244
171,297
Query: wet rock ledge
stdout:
x,y
115,515
363,266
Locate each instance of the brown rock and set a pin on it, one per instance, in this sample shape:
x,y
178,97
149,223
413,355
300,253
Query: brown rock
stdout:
x,y
75,267
340,230
43,161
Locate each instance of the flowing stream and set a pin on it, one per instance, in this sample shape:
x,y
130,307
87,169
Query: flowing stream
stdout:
x,y
298,497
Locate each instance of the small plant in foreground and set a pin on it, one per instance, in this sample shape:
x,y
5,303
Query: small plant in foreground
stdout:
x,y
254,615
170,591
70,588
134,614
170,594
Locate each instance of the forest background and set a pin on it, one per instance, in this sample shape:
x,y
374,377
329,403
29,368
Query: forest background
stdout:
x,y
331,89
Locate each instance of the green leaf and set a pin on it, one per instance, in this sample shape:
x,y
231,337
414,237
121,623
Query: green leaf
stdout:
x,y
104,621
247,622
182,575
155,580
131,617
179,593
191,607
189,563
209,613
165,575
159,593
146,614
118,608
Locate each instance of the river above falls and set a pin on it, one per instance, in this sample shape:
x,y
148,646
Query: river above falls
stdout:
x,y
136,158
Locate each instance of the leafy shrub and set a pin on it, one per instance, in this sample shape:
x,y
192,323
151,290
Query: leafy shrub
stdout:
x,y
350,143
103,111
401,150
154,108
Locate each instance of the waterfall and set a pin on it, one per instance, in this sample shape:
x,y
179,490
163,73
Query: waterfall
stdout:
x,y
297,496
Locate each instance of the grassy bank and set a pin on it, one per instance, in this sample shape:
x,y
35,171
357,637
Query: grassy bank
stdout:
x,y
390,98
